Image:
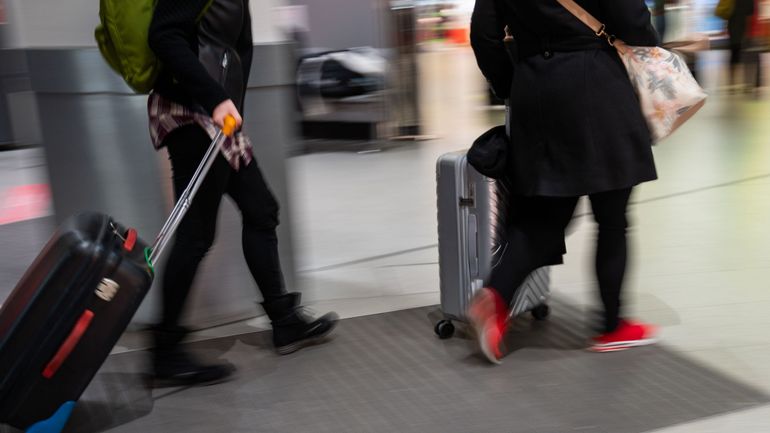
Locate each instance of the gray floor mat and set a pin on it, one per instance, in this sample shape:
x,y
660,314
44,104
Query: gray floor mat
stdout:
x,y
389,373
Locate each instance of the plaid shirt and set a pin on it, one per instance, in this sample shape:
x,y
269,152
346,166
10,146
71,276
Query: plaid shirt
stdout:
x,y
167,115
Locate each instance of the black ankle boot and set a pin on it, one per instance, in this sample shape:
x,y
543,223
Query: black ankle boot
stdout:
x,y
292,328
173,366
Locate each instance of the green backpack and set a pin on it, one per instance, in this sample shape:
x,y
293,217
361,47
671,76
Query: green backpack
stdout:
x,y
725,9
122,37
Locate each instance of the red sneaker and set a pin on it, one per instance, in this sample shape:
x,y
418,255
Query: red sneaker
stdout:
x,y
627,335
488,315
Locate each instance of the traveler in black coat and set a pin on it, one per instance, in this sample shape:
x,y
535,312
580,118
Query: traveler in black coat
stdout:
x,y
576,129
206,63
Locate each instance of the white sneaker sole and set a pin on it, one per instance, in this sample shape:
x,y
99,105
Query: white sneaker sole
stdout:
x,y
617,346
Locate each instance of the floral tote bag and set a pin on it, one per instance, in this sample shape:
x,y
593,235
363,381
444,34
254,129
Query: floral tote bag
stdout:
x,y
667,91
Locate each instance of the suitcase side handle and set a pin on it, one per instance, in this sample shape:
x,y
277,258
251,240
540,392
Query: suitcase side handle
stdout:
x,y
69,344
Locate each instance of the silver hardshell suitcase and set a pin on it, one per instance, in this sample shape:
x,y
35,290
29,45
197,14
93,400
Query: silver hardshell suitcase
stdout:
x,y
471,214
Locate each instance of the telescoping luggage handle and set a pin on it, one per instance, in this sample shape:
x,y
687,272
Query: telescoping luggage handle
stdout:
x,y
183,204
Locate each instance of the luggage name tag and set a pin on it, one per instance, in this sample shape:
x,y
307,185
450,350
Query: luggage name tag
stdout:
x,y
107,289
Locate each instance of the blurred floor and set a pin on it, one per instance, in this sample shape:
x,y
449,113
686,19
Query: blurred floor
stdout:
x,y
388,373
366,237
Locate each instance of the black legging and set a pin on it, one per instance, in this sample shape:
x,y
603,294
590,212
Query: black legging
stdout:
x,y
535,238
195,235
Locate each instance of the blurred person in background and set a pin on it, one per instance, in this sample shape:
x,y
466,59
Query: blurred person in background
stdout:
x,y
206,69
759,43
736,29
659,14
576,129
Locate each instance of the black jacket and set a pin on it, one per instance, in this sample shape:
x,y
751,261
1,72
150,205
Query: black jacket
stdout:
x,y
206,62
576,124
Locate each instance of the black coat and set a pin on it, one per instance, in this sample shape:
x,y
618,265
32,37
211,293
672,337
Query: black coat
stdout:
x,y
195,72
576,124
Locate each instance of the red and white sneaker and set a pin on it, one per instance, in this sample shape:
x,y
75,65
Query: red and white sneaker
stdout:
x,y
488,314
627,335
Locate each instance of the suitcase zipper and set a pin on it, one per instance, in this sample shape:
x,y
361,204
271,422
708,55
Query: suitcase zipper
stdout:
x,y
225,64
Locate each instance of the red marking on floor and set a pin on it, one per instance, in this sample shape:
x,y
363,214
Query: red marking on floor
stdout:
x,y
25,202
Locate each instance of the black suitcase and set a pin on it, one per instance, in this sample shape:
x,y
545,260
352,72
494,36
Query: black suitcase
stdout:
x,y
69,309
66,314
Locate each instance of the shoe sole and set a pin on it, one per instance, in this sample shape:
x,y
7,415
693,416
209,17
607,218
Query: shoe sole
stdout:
x,y
483,344
176,383
293,347
621,345
189,381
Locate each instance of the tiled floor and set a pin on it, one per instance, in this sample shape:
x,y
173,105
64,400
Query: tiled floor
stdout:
x,y
366,231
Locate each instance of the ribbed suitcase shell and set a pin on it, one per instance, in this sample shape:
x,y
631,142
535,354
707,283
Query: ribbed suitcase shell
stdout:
x,y
472,210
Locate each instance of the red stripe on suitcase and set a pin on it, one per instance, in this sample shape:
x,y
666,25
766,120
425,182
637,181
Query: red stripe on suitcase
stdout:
x,y
130,241
69,344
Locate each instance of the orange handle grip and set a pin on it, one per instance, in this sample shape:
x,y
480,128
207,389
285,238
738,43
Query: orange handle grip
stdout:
x,y
229,128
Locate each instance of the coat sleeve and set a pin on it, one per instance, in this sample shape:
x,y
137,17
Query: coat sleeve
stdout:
x,y
172,22
246,51
630,21
487,34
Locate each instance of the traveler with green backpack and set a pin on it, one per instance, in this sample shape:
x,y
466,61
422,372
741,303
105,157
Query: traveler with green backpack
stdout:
x,y
195,61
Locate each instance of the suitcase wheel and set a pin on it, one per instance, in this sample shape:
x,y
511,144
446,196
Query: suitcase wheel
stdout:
x,y
444,329
541,312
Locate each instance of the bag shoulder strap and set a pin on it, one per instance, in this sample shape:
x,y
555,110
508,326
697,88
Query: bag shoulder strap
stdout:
x,y
203,11
583,15
598,28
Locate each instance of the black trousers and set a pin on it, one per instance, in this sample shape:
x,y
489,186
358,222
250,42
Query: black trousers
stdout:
x,y
736,28
535,238
195,235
